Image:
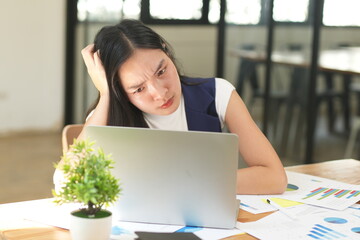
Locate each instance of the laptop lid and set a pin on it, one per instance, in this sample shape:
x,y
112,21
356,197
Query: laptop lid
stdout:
x,y
172,177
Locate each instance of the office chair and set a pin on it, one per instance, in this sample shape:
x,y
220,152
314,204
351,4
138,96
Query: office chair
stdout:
x,y
352,139
248,71
69,133
355,89
298,97
355,129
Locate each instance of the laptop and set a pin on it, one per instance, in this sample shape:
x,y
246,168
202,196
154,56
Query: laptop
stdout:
x,y
172,177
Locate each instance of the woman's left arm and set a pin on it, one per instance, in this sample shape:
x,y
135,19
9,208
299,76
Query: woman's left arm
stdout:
x,y
265,173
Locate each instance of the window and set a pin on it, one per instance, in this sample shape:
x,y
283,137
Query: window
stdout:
x,y
250,12
341,13
243,12
175,9
214,11
107,10
291,11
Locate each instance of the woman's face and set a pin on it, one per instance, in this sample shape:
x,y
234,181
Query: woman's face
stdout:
x,y
151,81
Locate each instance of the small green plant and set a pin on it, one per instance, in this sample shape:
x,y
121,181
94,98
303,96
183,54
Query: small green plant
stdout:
x,y
87,178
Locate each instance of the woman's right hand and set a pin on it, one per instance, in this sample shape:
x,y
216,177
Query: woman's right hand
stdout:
x,y
95,69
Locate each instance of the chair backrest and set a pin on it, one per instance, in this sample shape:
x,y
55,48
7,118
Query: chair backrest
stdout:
x,y
69,133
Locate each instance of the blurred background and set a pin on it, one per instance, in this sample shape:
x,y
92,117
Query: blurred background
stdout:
x,y
295,63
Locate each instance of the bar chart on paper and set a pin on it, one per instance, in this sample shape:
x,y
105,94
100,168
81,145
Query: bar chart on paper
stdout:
x,y
323,193
327,225
321,232
334,198
335,227
320,191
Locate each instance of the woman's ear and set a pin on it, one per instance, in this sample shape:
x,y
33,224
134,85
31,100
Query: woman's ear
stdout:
x,y
163,46
165,49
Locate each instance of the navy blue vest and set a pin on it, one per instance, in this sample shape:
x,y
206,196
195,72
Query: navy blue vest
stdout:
x,y
200,109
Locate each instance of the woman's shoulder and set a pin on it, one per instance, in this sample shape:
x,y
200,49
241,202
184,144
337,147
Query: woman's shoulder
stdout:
x,y
223,83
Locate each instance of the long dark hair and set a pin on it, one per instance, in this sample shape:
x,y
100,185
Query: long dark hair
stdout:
x,y
116,44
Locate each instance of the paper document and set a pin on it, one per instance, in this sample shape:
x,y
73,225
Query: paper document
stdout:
x,y
320,191
328,225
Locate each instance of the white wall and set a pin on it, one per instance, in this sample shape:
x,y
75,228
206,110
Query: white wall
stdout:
x,y
32,65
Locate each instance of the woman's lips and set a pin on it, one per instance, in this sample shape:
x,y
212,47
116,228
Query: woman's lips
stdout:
x,y
168,103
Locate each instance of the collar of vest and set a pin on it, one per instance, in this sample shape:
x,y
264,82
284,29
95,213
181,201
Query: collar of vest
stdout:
x,y
199,98
195,95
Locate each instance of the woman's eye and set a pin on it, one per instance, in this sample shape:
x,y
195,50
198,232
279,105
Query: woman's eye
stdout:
x,y
161,72
139,90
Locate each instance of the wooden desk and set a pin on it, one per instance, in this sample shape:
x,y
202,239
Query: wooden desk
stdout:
x,y
347,170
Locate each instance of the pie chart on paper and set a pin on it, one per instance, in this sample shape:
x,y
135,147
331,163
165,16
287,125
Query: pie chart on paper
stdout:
x,y
335,220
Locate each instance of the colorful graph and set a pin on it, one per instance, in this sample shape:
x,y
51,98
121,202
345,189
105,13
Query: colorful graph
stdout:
x,y
327,192
335,220
321,232
291,187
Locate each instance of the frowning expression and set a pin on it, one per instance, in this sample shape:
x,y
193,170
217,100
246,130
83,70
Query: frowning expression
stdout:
x,y
151,81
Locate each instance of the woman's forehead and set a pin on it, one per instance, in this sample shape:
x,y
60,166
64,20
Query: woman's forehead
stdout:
x,y
143,58
142,63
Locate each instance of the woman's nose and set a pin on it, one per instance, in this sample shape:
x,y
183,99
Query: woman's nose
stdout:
x,y
157,90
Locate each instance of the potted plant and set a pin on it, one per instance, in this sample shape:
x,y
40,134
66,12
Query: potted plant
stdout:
x,y
87,180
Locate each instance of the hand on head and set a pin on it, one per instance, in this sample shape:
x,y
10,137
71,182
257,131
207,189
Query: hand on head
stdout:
x,y
95,69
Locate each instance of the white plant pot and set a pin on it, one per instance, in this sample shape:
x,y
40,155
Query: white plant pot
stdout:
x,y
90,228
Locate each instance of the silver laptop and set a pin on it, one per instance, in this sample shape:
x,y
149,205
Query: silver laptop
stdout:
x,y
172,177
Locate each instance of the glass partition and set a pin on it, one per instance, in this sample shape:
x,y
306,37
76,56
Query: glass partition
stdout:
x,y
339,64
245,54
290,72
314,64
277,88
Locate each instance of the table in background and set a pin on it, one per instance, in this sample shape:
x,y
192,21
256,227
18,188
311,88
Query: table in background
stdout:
x,y
346,170
344,62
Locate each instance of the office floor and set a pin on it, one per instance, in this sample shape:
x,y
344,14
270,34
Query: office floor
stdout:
x,y
26,161
26,165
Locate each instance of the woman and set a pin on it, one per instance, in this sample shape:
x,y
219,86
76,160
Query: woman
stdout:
x,y
140,86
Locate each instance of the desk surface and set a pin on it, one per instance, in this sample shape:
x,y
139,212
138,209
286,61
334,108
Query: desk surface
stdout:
x,y
347,170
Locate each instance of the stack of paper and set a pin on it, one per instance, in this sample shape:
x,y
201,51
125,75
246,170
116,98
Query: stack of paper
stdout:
x,y
319,208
